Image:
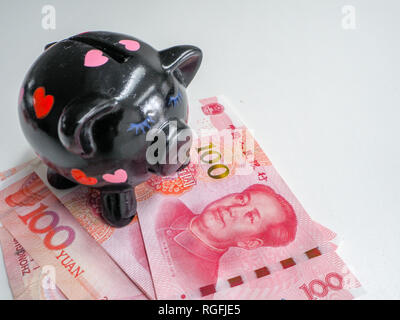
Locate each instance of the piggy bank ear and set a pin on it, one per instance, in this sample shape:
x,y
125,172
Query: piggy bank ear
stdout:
x,y
76,123
182,61
49,45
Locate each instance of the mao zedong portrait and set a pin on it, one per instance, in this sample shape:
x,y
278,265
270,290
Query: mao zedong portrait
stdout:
x,y
255,217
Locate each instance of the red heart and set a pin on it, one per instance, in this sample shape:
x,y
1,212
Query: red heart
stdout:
x,y
81,177
42,103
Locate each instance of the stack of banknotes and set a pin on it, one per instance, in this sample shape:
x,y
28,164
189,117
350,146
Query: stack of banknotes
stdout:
x,y
225,227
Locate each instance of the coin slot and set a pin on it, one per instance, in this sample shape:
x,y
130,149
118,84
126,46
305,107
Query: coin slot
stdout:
x,y
117,54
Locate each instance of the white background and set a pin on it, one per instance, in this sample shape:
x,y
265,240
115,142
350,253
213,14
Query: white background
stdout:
x,y
323,101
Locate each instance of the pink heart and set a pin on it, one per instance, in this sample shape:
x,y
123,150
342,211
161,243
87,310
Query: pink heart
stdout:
x,y
95,58
119,176
130,45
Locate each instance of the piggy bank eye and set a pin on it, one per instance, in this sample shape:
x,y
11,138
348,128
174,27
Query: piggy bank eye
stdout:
x,y
174,99
143,126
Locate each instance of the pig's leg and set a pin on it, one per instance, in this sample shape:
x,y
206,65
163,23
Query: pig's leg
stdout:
x,y
119,206
58,181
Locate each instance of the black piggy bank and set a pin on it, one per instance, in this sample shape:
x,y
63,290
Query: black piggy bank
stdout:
x,y
88,103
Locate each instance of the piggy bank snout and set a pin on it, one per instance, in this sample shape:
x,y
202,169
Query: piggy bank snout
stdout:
x,y
169,151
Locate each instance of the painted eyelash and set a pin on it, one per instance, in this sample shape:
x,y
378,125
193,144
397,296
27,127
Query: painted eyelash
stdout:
x,y
141,126
174,99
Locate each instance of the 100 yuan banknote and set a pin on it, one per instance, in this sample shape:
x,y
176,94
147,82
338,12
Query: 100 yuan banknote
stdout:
x,y
26,279
125,245
53,238
228,210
